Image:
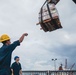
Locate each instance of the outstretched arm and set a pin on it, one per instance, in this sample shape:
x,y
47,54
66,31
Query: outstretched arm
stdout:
x,y
22,37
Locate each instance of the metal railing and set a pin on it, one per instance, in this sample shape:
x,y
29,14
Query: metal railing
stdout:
x,y
35,72
63,72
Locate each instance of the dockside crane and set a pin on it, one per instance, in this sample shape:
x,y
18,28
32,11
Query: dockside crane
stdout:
x,y
72,66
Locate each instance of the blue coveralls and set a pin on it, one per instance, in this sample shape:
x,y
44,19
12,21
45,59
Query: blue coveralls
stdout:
x,y
16,68
5,57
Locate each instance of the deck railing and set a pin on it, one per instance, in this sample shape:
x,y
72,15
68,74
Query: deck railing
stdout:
x,y
63,72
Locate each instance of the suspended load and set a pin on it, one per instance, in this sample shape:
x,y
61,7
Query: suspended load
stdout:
x,y
48,16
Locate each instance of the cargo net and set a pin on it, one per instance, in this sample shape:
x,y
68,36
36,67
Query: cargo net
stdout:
x,y
48,16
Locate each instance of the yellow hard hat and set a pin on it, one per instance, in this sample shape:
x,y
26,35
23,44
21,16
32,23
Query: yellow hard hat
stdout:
x,y
4,37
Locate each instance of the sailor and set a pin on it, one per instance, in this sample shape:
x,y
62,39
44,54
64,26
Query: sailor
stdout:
x,y
6,52
16,67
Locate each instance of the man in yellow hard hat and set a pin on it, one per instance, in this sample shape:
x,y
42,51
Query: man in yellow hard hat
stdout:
x,y
6,52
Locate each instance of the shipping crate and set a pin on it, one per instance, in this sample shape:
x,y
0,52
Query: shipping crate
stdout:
x,y
49,21
50,24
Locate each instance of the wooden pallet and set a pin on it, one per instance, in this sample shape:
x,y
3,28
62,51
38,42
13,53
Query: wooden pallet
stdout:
x,y
48,24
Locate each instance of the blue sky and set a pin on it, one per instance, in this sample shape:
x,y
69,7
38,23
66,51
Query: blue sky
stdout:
x,y
37,50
